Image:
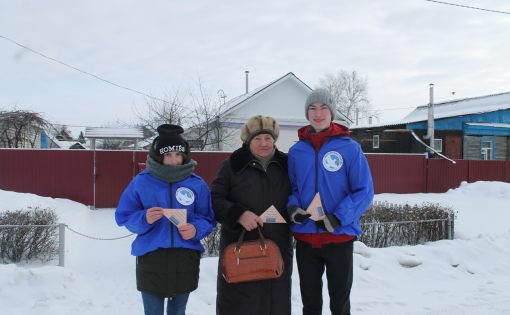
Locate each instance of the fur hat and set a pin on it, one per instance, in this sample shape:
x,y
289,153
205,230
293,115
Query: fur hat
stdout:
x,y
320,96
169,139
257,125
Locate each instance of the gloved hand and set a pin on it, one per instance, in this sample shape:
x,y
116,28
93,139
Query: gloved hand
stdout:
x,y
298,215
329,223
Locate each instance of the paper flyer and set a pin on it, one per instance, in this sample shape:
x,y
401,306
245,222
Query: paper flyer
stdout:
x,y
176,216
271,215
315,208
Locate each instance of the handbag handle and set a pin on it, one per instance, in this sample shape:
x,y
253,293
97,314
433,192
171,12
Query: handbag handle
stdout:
x,y
262,240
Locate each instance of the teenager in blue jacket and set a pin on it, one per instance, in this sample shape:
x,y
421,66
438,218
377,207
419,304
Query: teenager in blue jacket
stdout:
x,y
327,161
168,257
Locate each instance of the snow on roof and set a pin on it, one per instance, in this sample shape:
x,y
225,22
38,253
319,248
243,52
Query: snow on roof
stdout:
x,y
113,133
465,106
68,144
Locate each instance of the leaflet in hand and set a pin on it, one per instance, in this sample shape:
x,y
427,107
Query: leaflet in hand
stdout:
x,y
271,215
315,208
176,216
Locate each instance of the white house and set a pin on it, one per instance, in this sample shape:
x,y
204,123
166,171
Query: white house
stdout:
x,y
283,99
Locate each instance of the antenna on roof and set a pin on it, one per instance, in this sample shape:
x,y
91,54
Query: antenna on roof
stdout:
x,y
222,95
246,73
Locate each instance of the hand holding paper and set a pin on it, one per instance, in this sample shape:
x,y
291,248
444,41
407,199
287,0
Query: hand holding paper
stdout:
x,y
153,214
187,231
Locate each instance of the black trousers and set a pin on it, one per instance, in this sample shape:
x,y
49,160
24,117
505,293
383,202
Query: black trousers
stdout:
x,y
311,262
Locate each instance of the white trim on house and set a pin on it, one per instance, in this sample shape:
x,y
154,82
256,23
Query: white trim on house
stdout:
x,y
375,142
492,125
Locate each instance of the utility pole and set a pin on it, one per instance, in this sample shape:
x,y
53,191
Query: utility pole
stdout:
x,y
430,122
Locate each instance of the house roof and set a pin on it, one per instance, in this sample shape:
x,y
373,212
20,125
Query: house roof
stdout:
x,y
240,100
68,144
465,106
474,105
113,133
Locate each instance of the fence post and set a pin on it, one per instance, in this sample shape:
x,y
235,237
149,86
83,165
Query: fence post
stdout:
x,y
61,244
450,226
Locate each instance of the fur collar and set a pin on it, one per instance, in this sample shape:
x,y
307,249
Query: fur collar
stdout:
x,y
242,157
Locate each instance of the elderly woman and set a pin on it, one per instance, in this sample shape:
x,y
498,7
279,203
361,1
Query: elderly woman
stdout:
x,y
248,183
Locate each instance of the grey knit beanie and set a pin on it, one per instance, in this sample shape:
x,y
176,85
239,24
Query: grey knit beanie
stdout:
x,y
320,96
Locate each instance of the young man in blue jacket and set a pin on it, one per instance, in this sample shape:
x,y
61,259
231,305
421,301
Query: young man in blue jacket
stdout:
x,y
327,161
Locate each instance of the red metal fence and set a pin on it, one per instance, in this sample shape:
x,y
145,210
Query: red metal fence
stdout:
x,y
70,173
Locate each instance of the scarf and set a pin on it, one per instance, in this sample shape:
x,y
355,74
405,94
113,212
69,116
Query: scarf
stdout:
x,y
264,162
170,173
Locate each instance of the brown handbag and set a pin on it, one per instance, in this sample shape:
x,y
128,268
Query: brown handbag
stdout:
x,y
251,260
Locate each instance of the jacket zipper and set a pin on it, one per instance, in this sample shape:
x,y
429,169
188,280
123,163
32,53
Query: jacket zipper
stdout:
x,y
316,178
171,225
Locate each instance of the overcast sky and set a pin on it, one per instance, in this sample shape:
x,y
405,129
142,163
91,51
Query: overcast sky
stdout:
x,y
158,47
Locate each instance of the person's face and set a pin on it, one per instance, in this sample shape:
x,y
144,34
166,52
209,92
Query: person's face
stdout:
x,y
173,158
262,145
319,116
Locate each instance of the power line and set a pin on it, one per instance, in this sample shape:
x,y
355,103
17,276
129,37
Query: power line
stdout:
x,y
82,71
468,7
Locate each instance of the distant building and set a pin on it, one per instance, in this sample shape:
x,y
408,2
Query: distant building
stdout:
x,y
475,128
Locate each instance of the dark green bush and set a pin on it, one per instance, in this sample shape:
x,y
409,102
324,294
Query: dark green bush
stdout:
x,y
21,241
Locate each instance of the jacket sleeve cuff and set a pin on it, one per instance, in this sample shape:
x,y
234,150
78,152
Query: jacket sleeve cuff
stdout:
x,y
234,213
291,209
335,221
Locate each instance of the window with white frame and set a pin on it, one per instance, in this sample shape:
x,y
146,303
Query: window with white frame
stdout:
x,y
375,142
486,150
438,145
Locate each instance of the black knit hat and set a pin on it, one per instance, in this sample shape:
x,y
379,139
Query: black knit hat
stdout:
x,y
170,140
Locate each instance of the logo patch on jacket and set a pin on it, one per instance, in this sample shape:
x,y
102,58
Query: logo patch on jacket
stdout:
x,y
184,196
332,161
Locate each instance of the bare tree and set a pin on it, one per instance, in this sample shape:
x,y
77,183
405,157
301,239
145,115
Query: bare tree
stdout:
x,y
199,113
169,110
20,128
350,92
205,129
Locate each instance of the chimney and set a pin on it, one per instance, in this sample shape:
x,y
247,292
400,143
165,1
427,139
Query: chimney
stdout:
x,y
430,124
247,72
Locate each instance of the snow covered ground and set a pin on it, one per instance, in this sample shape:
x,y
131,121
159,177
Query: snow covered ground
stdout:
x,y
467,275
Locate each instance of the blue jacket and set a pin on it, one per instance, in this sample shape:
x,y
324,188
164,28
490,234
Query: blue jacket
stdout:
x,y
341,175
146,191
